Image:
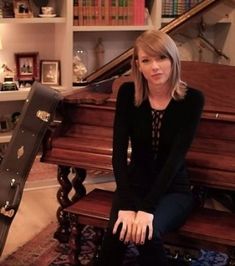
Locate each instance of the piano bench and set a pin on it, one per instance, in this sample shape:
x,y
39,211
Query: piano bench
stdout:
x,y
205,228
93,209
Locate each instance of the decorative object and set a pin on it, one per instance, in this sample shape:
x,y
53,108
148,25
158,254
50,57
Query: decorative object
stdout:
x,y
99,53
50,72
47,10
26,67
4,124
8,79
80,62
15,118
9,84
22,9
7,9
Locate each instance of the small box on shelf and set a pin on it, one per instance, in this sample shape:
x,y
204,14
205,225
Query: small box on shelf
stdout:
x,y
22,9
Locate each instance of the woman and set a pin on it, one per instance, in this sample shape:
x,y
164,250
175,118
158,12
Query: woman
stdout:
x,y
159,115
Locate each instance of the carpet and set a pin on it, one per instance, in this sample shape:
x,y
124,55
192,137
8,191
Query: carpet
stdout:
x,y
39,251
44,250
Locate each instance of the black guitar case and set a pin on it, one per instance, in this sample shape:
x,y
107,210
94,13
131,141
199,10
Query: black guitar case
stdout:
x,y
37,114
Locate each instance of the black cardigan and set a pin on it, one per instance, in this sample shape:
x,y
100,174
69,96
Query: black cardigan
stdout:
x,y
142,181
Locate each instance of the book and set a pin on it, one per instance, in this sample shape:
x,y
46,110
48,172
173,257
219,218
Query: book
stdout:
x,y
108,12
138,12
75,13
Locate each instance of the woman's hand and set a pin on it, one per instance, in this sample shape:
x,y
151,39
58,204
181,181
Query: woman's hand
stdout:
x,y
143,221
126,218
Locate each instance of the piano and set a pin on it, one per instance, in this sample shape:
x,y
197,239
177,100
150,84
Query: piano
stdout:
x,y
83,140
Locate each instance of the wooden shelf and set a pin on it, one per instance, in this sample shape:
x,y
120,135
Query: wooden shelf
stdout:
x,y
32,20
111,28
19,95
5,137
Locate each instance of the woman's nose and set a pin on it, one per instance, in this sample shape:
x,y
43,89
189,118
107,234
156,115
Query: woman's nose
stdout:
x,y
155,64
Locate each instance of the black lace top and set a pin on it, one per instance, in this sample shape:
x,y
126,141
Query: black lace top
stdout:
x,y
142,181
157,116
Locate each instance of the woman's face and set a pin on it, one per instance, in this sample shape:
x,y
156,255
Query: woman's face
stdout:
x,y
156,69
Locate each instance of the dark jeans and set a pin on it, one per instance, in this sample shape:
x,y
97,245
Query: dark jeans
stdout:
x,y
171,213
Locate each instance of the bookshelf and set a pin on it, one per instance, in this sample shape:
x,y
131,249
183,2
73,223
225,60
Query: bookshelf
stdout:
x,y
174,8
29,35
63,37
108,12
57,38
124,33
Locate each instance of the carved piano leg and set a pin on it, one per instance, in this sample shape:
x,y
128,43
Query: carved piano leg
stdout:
x,y
74,241
68,178
77,183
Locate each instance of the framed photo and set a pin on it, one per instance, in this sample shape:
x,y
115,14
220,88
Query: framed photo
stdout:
x,y
26,66
4,125
50,72
22,9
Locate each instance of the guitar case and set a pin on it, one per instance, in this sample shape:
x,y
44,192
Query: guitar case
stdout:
x,y
37,114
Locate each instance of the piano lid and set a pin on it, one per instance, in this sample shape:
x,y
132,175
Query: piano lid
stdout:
x,y
121,64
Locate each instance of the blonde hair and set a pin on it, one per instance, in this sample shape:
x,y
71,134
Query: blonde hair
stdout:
x,y
155,42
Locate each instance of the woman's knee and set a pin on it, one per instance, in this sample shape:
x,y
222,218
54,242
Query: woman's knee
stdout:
x,y
172,212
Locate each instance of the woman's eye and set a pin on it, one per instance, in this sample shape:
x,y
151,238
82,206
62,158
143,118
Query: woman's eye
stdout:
x,y
162,57
145,60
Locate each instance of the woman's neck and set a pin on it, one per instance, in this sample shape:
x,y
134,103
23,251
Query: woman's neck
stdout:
x,y
159,98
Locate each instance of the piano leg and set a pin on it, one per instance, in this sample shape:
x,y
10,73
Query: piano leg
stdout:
x,y
74,241
70,180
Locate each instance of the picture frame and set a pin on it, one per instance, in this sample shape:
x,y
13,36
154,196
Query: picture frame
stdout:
x,y
50,72
7,9
26,66
4,125
22,9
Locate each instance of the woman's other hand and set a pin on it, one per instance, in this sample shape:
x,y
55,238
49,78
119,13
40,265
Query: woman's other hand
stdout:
x,y
126,219
143,223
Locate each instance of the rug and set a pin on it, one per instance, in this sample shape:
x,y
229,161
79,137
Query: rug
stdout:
x,y
44,250
40,251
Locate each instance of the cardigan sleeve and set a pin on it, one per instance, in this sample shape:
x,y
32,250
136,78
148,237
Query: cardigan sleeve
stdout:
x,y
177,153
120,146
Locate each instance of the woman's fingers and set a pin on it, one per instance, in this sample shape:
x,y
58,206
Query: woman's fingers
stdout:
x,y
142,236
125,220
138,235
134,229
150,233
123,232
128,233
133,232
116,226
142,227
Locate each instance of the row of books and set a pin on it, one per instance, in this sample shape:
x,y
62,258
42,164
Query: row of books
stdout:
x,y
174,8
108,12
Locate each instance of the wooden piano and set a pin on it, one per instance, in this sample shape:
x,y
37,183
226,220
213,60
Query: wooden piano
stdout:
x,y
84,140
